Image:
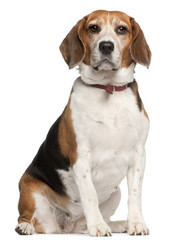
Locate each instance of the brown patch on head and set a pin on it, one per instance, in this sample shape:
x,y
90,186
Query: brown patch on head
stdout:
x,y
99,14
66,136
28,186
120,16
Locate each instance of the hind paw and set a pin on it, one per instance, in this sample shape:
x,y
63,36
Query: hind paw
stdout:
x,y
25,228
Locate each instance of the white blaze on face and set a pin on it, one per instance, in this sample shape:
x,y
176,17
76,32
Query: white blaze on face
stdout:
x,y
113,60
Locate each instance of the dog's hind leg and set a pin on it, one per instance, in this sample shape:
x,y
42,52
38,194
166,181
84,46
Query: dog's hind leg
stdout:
x,y
26,206
28,223
36,207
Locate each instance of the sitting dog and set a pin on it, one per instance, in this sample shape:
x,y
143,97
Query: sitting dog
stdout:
x,y
72,185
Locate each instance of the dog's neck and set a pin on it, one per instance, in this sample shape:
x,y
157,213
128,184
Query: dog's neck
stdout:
x,y
120,77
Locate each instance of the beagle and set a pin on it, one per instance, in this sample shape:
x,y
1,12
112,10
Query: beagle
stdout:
x,y
72,185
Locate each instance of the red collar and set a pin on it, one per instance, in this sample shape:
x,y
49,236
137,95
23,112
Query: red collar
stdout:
x,y
110,88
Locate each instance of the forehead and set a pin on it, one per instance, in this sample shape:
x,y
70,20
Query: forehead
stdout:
x,y
111,17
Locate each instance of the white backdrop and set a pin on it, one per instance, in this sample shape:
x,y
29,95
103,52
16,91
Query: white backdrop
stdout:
x,y
35,86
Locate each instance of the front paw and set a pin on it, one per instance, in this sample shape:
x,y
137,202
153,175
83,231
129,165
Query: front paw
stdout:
x,y
98,230
137,228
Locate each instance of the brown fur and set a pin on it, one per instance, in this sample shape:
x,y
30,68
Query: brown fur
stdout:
x,y
140,51
26,206
66,136
146,114
72,47
37,226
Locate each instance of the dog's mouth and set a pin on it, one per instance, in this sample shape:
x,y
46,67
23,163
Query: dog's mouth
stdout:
x,y
105,65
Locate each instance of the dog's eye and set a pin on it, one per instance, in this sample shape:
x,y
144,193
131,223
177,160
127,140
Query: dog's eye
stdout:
x,y
121,30
94,28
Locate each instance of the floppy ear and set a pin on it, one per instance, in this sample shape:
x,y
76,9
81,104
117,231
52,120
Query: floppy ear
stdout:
x,y
72,47
140,51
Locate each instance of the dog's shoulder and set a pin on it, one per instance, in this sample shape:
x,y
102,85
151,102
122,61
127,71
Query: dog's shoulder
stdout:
x,y
134,87
56,152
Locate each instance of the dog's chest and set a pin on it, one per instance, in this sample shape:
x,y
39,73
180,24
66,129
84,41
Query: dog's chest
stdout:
x,y
107,128
104,122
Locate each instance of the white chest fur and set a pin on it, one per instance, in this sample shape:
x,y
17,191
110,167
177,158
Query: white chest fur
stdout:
x,y
108,128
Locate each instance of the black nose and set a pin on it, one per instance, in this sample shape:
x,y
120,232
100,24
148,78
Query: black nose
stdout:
x,y
106,47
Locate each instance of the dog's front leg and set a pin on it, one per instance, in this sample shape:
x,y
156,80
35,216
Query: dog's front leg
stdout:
x,y
89,200
136,224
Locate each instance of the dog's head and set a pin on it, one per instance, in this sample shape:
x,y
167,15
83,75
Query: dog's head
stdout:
x,y
106,41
